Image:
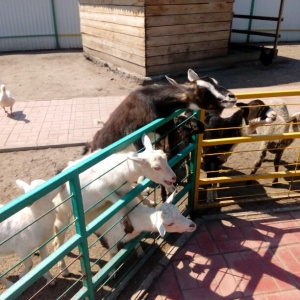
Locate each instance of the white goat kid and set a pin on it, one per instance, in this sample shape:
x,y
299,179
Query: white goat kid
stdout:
x,y
25,241
118,171
165,218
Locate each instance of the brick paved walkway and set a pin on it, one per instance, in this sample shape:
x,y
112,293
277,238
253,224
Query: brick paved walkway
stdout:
x,y
256,257
52,123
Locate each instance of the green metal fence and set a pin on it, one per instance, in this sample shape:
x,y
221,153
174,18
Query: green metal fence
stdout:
x,y
90,281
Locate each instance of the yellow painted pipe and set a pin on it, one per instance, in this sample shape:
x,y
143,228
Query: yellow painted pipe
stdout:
x,y
268,94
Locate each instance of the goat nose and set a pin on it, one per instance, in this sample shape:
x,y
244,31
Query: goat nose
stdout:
x,y
231,95
174,178
193,225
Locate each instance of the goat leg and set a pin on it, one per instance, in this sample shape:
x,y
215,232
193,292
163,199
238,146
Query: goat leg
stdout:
x,y
277,162
257,164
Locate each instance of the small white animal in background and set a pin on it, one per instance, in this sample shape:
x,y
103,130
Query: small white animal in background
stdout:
x,y
6,100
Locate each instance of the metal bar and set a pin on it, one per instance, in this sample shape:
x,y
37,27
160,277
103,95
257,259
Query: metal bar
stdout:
x,y
54,23
251,32
264,18
27,280
248,139
287,93
78,211
193,169
198,163
267,175
278,25
250,20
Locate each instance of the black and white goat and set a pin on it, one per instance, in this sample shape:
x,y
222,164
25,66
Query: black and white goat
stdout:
x,y
283,124
148,103
242,123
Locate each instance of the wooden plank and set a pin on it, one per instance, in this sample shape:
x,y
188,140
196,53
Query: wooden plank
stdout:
x,y
188,28
130,57
186,38
181,57
162,10
113,2
114,9
114,36
162,2
128,30
190,47
133,49
188,19
182,67
110,18
115,62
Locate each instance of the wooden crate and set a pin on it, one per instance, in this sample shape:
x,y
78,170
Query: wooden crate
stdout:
x,y
151,37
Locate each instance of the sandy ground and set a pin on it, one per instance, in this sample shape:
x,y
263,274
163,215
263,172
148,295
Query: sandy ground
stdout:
x,y
63,75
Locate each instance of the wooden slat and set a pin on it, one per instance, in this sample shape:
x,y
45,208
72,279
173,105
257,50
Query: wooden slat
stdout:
x,y
183,66
185,48
127,30
110,18
114,36
188,28
140,51
189,56
114,9
161,2
187,38
113,2
127,56
188,19
160,10
115,62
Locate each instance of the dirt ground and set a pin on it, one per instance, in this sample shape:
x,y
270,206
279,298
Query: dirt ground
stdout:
x,y
63,75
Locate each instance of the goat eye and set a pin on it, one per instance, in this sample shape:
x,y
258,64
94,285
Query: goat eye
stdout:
x,y
157,168
170,224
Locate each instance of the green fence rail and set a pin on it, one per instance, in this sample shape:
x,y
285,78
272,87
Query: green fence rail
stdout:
x,y
89,281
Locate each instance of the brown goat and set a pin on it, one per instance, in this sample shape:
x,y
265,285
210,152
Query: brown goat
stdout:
x,y
146,104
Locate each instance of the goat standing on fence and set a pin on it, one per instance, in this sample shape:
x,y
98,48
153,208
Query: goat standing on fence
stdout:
x,y
146,104
277,147
108,181
242,123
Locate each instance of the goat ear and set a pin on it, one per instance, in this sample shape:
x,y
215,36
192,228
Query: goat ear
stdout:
x,y
173,82
160,226
23,185
136,159
147,142
192,75
172,196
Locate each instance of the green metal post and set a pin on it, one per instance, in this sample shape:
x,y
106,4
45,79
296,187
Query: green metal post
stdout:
x,y
193,179
250,20
81,230
55,24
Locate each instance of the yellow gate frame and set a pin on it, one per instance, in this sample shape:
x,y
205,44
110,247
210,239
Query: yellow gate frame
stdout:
x,y
213,142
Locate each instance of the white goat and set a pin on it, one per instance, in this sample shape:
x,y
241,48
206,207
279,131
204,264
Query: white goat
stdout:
x,y
25,241
6,100
165,218
113,176
281,125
